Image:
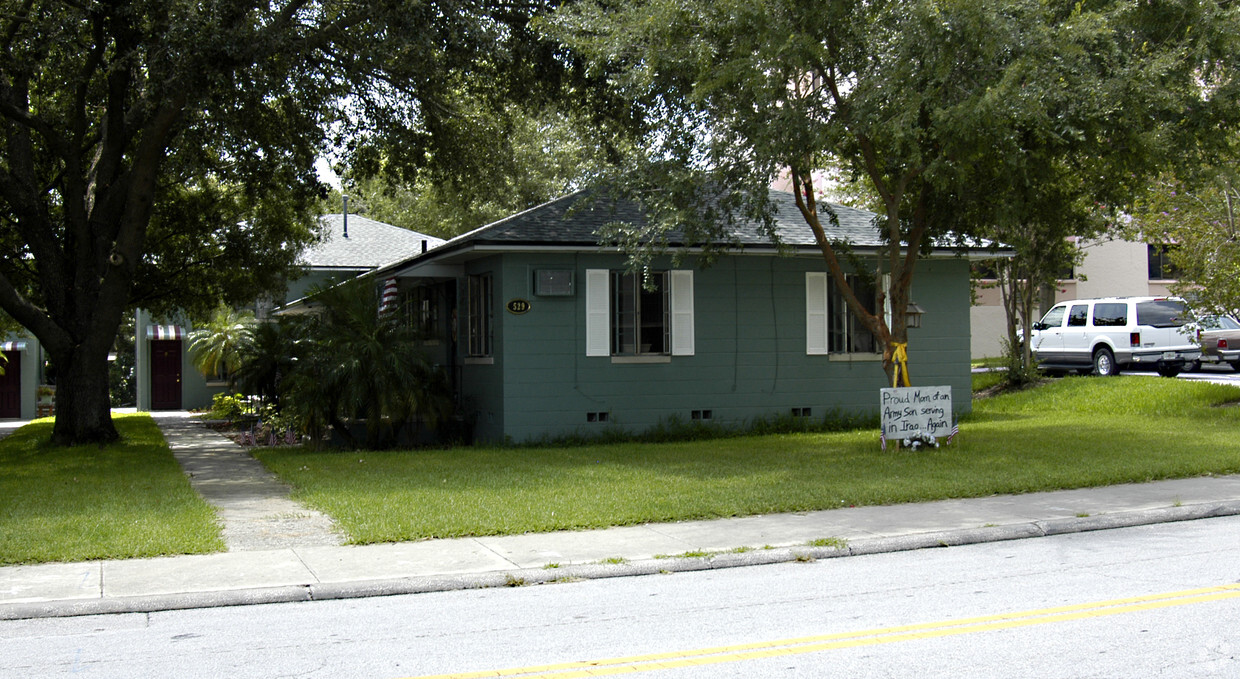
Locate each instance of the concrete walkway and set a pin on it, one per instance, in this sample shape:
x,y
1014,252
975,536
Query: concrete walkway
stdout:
x,y
252,503
9,426
302,564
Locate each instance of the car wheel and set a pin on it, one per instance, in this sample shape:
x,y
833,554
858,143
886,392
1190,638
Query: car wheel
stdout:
x,y
1235,365
1104,363
1192,367
1168,370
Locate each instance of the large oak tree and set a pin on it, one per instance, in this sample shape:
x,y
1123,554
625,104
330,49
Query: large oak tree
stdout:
x,y
957,115
541,155
160,152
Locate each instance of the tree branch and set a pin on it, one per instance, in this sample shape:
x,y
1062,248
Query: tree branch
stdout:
x,y
803,193
31,317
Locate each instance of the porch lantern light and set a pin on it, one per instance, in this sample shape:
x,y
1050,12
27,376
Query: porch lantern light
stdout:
x,y
912,315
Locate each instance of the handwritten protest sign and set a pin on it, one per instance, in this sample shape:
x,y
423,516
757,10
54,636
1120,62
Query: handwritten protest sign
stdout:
x,y
917,413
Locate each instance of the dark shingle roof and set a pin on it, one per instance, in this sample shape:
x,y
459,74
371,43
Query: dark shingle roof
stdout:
x,y
574,222
370,244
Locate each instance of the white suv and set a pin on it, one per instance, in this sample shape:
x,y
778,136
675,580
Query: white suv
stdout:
x,y
1108,334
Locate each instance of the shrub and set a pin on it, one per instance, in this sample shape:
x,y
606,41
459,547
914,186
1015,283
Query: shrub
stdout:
x,y
356,365
227,406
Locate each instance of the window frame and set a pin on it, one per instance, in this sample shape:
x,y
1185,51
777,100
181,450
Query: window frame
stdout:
x,y
1063,314
830,325
843,326
1078,315
1104,315
421,310
678,329
632,323
1158,258
480,315
1162,313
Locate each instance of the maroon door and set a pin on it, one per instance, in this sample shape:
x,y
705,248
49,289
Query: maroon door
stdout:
x,y
165,374
11,386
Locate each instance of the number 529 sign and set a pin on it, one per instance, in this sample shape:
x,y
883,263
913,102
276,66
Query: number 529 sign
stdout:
x,y
517,306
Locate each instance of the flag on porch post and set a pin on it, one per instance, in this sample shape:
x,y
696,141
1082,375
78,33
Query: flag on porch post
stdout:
x,y
387,303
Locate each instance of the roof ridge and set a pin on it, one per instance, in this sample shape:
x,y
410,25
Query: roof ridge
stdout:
x,y
511,217
339,217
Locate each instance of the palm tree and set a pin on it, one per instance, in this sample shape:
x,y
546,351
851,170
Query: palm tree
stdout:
x,y
218,346
358,365
267,359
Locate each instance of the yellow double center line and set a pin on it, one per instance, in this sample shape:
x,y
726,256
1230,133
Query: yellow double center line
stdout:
x,y
826,642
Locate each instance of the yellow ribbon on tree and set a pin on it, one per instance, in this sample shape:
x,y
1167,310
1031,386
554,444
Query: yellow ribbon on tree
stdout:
x,y
899,356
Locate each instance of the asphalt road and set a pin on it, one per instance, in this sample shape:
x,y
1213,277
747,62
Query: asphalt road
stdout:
x,y
1222,374
1218,375
1154,601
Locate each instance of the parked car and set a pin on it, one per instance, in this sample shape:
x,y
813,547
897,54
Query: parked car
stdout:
x,y
1219,339
1110,334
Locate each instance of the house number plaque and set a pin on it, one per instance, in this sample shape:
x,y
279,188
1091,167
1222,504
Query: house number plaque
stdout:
x,y
517,306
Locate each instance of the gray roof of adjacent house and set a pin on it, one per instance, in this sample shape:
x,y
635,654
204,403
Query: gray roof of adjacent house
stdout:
x,y
368,245
574,221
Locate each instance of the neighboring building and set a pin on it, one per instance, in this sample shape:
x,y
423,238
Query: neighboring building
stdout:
x,y
352,245
19,385
545,333
1110,268
165,377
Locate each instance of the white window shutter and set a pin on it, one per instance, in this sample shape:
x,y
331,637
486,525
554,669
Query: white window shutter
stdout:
x,y
681,296
816,340
598,312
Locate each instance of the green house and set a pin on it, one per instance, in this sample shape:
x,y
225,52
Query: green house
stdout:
x,y
545,333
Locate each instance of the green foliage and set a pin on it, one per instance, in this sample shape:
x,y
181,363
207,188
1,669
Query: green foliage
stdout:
x,y
1115,94
836,543
536,157
122,371
1201,218
227,406
1018,120
1020,369
128,500
162,155
986,380
219,346
266,358
354,365
278,422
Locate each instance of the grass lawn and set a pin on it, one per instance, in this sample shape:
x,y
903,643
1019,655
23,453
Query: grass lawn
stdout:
x,y
129,499
1070,433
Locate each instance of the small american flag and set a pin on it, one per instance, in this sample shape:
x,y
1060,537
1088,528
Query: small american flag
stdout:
x,y
955,430
387,303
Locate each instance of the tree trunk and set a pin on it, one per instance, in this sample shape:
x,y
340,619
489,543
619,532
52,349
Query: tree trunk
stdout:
x,y
83,406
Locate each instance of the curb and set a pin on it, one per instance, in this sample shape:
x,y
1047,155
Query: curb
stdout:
x,y
598,571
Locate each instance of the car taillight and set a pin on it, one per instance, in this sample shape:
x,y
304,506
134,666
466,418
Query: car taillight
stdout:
x,y
1135,339
1222,344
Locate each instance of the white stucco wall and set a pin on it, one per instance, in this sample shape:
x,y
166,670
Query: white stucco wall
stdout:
x,y
1113,268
